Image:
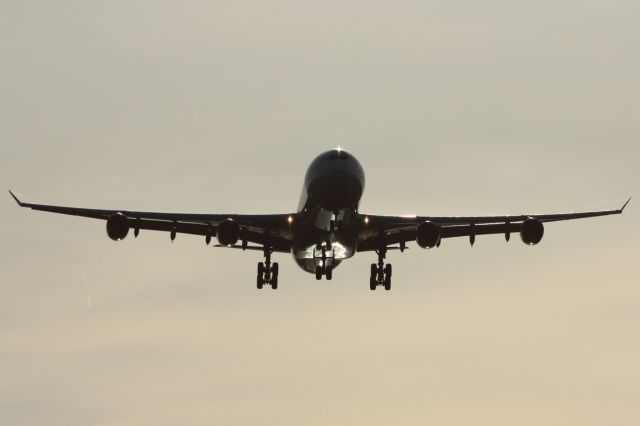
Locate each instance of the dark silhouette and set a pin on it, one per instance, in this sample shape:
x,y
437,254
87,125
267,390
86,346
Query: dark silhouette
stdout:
x,y
327,227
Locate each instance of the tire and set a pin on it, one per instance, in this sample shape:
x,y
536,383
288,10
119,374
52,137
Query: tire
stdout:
x,y
374,269
387,283
372,283
387,271
260,282
260,269
318,273
274,270
329,273
274,282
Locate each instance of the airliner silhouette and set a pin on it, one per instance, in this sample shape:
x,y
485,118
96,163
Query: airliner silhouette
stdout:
x,y
327,227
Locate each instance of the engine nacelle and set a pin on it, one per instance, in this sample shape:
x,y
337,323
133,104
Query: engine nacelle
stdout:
x,y
532,231
117,226
428,234
228,232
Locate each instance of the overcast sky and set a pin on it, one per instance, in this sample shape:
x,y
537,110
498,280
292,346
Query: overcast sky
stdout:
x,y
452,107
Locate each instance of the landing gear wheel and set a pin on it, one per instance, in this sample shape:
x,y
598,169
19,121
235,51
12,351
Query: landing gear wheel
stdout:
x,y
274,276
260,282
387,282
329,273
319,273
387,276
387,271
260,277
372,283
374,269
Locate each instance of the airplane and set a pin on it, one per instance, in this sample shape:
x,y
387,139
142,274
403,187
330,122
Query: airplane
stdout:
x,y
327,227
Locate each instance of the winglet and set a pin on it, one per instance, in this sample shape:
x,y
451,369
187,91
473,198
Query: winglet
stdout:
x,y
16,198
625,205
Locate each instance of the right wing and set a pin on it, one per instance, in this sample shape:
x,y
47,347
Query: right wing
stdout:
x,y
386,230
274,230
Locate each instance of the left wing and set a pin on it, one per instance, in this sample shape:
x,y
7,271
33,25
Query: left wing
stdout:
x,y
274,230
379,231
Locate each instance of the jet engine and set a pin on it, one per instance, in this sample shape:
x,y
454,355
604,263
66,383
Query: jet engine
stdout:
x,y
427,234
117,226
228,232
532,231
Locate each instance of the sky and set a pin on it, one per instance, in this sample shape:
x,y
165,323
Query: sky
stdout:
x,y
452,107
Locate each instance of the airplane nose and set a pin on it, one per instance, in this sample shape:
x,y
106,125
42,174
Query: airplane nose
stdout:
x,y
337,190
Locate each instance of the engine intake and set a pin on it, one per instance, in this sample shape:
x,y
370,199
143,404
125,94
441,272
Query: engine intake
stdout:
x,y
532,231
427,234
228,232
117,226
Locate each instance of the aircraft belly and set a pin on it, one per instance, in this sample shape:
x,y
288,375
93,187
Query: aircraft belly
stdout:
x,y
309,265
335,251
308,255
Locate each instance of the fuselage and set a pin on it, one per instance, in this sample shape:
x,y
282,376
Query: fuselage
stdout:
x,y
327,221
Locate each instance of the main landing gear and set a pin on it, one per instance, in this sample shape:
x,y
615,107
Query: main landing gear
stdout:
x,y
323,269
267,273
380,273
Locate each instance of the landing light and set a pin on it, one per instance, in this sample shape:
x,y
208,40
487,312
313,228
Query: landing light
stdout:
x,y
366,220
290,220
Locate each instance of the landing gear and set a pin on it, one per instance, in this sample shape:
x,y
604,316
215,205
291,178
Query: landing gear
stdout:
x,y
267,272
328,273
380,273
324,270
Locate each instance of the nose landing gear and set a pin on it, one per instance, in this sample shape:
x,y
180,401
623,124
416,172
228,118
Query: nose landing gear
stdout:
x,y
380,273
324,270
267,272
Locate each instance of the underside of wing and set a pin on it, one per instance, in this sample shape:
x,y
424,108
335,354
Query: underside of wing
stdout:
x,y
382,231
274,230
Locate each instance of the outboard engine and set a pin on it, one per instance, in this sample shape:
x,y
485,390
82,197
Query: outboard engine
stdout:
x,y
532,231
427,234
228,232
117,226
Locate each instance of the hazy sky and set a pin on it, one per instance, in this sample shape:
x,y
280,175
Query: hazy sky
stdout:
x,y
452,107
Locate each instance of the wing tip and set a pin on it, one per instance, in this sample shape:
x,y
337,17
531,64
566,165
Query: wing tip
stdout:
x,y
20,203
624,205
